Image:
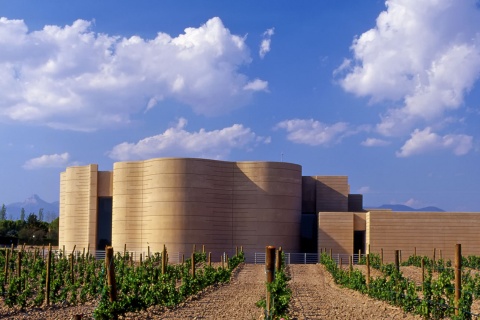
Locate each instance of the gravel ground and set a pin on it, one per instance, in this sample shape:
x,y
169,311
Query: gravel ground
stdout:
x,y
316,296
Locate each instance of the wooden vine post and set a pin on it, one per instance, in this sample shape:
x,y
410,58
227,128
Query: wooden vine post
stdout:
x,y
164,260
7,258
422,265
47,285
209,259
279,259
368,269
381,256
19,263
71,268
458,277
397,260
193,264
111,274
270,271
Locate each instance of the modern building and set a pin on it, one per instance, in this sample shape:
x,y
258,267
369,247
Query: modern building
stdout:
x,y
181,202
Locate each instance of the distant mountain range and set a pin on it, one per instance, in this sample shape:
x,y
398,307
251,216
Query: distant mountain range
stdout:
x,y
32,205
401,207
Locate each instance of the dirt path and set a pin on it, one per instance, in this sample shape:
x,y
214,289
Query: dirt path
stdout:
x,y
234,301
316,296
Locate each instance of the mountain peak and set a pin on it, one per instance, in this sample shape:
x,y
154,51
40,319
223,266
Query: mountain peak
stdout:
x,y
32,205
33,199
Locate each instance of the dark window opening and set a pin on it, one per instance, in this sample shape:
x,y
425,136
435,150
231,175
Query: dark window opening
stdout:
x,y
104,223
308,233
359,241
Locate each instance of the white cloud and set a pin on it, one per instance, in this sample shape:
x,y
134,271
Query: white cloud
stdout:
x,y
374,142
266,41
364,190
313,132
424,56
426,141
48,161
256,85
74,78
177,142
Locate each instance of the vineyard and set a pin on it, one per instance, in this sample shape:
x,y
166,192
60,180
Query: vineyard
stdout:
x,y
432,298
34,278
120,286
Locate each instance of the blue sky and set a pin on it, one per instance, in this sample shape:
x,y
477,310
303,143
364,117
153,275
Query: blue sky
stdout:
x,y
387,93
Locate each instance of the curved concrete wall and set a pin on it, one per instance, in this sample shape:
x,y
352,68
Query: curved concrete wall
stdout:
x,y
78,207
180,202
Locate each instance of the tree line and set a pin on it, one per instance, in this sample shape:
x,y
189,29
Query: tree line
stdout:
x,y
31,229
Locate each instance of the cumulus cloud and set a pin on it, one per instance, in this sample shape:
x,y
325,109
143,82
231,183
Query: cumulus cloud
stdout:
x,y
374,142
312,132
422,58
266,41
177,142
70,77
48,161
423,141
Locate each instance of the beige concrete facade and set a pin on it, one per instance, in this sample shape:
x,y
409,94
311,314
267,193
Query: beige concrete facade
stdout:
x,y
410,232
181,202
423,232
78,206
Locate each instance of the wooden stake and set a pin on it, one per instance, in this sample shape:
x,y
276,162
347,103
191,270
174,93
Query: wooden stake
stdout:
x,y
397,260
209,259
193,264
110,263
381,256
368,270
270,271
47,285
7,258
164,260
458,276
350,263
422,265
19,264
71,269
